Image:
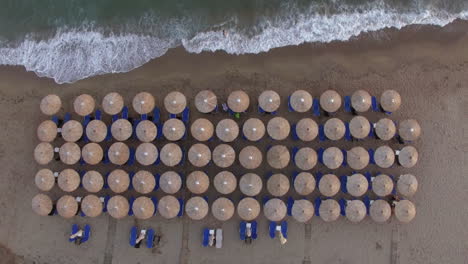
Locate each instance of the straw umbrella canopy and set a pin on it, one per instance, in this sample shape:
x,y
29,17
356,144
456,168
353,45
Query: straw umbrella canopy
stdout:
x,y
171,154
70,153
357,185
143,182
50,104
173,129
143,208
380,211
329,185
407,185
175,102
361,101
333,157
146,154
91,205
302,210
278,128
274,210
121,129
225,182
305,158
329,210
278,157
409,130
92,181
384,156
170,182
382,185
224,155
112,103
96,130
248,209
45,180
168,206
359,127
300,101
405,211
43,153
227,130
304,183
118,206
385,129
306,129
330,101
199,155
357,158
198,182
334,129
68,180
146,131
47,131
67,206
92,153
278,184
84,104
238,101
253,129
202,129
222,209
143,103
355,210
119,153
206,101
390,100
250,157
250,184
269,101
196,208
118,181
72,131
408,156
42,204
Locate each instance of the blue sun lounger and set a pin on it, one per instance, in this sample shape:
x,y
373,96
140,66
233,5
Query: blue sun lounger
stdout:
x,y
322,136
86,233
316,107
347,104
342,203
150,238
242,229
206,237
284,229
133,236
289,205
272,229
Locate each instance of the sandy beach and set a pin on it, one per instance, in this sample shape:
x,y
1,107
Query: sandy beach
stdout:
x,y
429,67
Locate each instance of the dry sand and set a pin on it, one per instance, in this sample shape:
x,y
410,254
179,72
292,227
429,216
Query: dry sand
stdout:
x,y
427,65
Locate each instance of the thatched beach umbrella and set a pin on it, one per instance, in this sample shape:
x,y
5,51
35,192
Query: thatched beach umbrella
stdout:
x,y
84,104
173,129
333,157
143,208
250,184
385,129
405,211
278,184
305,158
143,181
68,180
361,101
330,101
355,210
199,155
175,102
382,185
248,209
92,153
357,158
170,182
222,209
143,103
91,205
118,206
380,211
390,100
306,129
408,156
72,131
42,204
96,130
170,154
304,183
202,129
278,157
253,129
300,101
146,154
43,153
70,153
407,185
118,181
238,101
269,101
329,185
334,129
357,185
302,210
47,131
250,157
50,104
67,206
359,127
227,130
118,153
198,182
45,180
196,208
278,128
224,155
168,206
329,210
274,210
206,101
409,130
121,129
146,131
112,103
92,181
384,156
225,182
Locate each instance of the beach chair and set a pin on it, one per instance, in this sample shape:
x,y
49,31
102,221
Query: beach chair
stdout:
x,y
55,119
67,117
342,203
124,114
290,109
347,104
366,202
320,154
106,160
133,236
375,104
254,229
98,115
156,116
371,131
181,208
131,158
86,234
345,154
130,175
284,229
368,176
289,205
206,237
130,202
317,203
186,116
293,176
371,156
272,229
150,238
343,182
242,230
348,136
316,107
182,160
294,151
322,136
105,200
219,238
294,132
160,131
